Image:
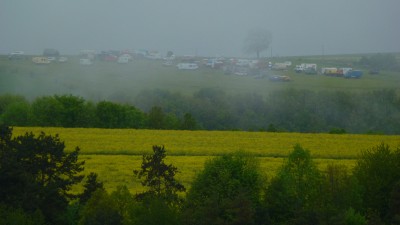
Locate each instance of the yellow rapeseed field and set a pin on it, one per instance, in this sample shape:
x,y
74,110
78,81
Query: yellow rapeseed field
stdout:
x,y
208,143
114,153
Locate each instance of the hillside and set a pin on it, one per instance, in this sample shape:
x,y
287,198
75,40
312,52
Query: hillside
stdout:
x,y
123,82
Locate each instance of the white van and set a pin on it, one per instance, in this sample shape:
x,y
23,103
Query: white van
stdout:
x,y
187,66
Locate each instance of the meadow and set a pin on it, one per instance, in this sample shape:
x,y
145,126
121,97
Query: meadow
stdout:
x,y
123,82
114,153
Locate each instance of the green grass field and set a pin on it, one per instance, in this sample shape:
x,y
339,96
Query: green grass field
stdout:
x,y
114,153
111,81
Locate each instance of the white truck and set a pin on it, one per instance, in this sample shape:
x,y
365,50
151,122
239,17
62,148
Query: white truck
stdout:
x,y
306,67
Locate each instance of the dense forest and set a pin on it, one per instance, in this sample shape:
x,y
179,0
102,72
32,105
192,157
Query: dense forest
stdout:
x,y
288,110
36,177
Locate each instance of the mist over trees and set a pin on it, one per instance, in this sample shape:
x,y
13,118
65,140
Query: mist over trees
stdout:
x,y
288,110
378,62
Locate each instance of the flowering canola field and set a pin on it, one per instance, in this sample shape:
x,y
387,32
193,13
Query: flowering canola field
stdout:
x,y
114,153
210,143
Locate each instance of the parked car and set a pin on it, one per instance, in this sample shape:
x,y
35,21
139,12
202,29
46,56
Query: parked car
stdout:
x,y
353,74
279,78
16,55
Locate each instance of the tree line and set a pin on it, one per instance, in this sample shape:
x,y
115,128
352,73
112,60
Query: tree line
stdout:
x,y
212,109
36,177
73,111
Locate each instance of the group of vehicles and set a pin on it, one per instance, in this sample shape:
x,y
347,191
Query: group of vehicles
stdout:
x,y
47,60
86,57
240,67
49,55
244,68
342,72
311,68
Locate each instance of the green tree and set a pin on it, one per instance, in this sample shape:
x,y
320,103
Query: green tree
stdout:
x,y
171,122
63,110
123,199
115,208
227,191
134,117
90,187
16,216
156,118
159,177
211,107
47,111
354,218
394,205
257,41
378,171
152,211
292,196
189,122
101,209
72,213
16,114
340,195
36,173
74,111
8,99
113,115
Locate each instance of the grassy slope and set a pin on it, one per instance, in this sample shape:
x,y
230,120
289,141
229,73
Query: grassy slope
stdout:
x,y
111,81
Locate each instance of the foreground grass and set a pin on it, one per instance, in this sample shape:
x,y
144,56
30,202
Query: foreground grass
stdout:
x,y
114,153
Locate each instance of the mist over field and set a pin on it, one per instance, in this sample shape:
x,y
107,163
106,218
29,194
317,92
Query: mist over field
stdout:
x,y
204,28
326,33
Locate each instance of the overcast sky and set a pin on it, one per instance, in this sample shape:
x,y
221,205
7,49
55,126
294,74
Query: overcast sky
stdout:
x,y
202,27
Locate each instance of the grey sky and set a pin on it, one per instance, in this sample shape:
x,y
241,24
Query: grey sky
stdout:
x,y
203,27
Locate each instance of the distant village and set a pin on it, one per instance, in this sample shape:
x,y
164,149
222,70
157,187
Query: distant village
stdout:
x,y
258,68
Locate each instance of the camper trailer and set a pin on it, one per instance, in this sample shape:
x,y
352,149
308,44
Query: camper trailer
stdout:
x,y
40,60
